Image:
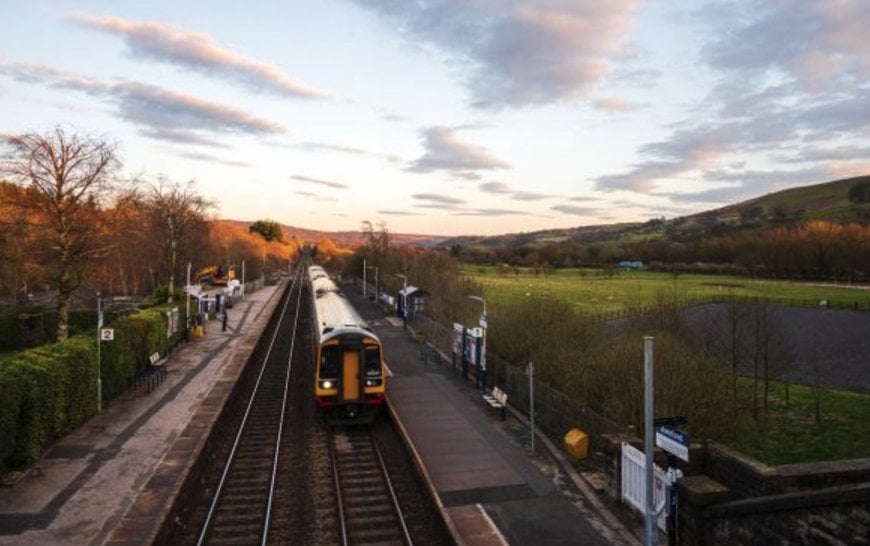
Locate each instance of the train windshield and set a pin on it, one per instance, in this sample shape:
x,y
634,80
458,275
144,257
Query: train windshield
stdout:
x,y
373,361
330,362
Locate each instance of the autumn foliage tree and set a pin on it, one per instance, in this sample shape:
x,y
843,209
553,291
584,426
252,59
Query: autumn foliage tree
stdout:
x,y
68,176
269,230
176,216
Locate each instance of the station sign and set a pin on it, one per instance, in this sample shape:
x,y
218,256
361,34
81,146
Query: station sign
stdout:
x,y
674,441
482,321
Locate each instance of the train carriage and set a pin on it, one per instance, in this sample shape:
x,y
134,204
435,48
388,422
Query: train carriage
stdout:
x,y
349,382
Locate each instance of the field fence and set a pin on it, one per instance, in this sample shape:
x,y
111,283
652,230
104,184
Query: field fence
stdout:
x,y
556,412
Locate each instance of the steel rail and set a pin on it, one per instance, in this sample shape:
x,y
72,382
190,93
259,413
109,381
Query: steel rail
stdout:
x,y
344,522
392,491
206,526
281,422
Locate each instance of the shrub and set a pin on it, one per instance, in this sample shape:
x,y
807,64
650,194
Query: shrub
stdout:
x,y
48,391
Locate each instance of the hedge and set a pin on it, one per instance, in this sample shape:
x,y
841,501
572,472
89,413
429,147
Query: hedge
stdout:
x,y
12,338
48,391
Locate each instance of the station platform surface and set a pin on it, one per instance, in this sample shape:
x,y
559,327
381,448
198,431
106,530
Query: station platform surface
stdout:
x,y
108,481
490,487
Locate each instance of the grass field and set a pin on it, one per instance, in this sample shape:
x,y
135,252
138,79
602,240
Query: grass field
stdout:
x,y
790,433
590,291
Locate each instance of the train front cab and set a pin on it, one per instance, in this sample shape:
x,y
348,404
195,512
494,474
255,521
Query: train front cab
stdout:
x,y
350,378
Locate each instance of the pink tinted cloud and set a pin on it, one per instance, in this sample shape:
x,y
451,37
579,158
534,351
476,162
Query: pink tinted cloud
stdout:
x,y
198,51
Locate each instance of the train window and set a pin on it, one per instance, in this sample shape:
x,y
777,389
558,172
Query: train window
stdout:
x,y
373,361
330,362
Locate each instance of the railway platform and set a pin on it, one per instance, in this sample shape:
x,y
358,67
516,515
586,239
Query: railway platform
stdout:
x,y
489,487
112,480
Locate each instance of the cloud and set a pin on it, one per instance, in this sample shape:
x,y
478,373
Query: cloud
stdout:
x,y
614,105
529,196
520,52
318,181
150,105
398,213
792,91
446,152
159,112
491,212
182,136
821,45
574,210
324,147
495,187
197,51
212,159
439,199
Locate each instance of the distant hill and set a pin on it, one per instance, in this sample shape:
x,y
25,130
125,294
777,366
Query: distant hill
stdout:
x,y
347,239
827,201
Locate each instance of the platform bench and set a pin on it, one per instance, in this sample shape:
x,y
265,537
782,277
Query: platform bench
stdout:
x,y
497,399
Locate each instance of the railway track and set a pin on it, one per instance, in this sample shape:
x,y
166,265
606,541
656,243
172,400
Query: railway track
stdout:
x,y
368,509
240,509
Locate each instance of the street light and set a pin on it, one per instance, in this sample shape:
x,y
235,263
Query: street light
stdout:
x,y
482,364
404,298
99,342
376,280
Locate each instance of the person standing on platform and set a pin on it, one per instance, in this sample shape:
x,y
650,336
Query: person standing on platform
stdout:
x,y
224,318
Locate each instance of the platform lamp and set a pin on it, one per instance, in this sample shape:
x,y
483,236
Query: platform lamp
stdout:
x,y
482,323
376,280
404,298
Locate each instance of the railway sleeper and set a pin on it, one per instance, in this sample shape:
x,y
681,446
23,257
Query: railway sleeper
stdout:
x,y
363,481
372,522
370,510
234,532
240,518
376,536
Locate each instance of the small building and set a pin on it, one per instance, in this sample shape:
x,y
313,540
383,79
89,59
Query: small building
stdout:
x,y
626,264
410,301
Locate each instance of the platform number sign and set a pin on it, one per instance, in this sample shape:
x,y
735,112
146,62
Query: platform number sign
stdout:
x,y
107,334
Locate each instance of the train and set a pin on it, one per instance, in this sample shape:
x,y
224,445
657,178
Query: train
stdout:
x,y
349,370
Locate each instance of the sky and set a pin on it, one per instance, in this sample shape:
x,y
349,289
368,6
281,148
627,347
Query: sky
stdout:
x,y
452,117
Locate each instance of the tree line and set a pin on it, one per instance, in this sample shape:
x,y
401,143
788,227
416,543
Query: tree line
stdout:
x,y
816,250
72,226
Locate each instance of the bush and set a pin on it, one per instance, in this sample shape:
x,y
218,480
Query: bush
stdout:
x,y
44,393
48,391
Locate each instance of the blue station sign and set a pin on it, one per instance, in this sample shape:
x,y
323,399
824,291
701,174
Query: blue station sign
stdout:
x,y
674,441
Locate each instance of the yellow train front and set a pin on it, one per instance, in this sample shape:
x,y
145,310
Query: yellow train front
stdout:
x,y
349,380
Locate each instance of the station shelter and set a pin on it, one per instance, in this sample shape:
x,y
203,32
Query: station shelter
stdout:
x,y
410,301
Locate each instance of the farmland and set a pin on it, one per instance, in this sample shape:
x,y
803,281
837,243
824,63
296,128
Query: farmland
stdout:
x,y
822,354
597,292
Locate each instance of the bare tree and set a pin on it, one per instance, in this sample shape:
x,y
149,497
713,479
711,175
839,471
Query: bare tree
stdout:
x,y
177,215
69,175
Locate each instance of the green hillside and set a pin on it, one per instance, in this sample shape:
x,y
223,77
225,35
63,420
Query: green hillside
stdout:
x,y
827,201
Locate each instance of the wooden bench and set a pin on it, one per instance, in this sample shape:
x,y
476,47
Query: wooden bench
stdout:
x,y
497,399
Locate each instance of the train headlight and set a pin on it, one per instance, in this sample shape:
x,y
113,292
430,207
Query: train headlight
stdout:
x,y
326,384
373,382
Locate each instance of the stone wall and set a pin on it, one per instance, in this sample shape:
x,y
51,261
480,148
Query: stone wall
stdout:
x,y
728,498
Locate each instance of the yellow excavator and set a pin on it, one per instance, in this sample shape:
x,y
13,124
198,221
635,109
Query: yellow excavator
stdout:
x,y
217,275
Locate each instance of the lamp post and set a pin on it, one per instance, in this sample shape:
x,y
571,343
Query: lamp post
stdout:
x,y
404,298
376,280
99,342
364,278
482,322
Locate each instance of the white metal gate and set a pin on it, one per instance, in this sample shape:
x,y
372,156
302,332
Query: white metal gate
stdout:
x,y
634,483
